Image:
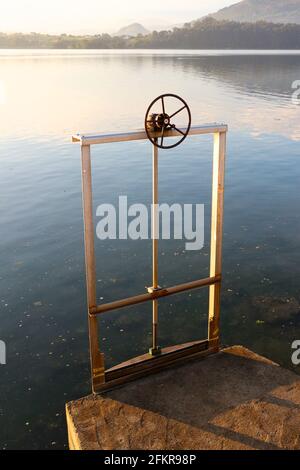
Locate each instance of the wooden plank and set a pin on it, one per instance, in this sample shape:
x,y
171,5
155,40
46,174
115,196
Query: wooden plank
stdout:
x,y
117,377
139,362
97,359
141,135
216,235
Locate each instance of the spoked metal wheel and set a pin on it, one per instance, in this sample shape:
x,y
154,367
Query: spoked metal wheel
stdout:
x,y
158,121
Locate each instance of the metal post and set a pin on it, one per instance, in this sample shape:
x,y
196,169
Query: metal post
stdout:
x,y
216,237
155,350
97,359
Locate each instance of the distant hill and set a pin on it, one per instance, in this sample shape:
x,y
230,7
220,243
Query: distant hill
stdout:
x,y
202,34
272,11
132,30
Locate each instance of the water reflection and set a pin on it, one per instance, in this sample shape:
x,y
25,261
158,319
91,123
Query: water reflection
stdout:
x,y
49,96
249,92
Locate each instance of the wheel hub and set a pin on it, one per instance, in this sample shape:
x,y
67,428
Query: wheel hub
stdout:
x,y
156,122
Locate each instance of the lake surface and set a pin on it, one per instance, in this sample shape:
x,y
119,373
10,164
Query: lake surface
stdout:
x,y
45,97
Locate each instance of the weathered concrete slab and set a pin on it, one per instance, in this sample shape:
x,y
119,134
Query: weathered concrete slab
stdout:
x,y
232,400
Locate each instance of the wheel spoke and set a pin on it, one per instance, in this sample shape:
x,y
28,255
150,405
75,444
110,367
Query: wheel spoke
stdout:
x,y
163,105
178,130
162,136
179,110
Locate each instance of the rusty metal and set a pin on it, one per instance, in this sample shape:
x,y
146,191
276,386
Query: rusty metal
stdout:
x,y
157,125
154,295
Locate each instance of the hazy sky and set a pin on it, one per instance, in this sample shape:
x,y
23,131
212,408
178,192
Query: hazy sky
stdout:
x,y
76,16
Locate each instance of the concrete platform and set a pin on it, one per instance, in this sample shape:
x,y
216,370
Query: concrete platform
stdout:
x,y
232,400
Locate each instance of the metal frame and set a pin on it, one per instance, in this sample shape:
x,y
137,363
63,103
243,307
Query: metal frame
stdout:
x,y
157,358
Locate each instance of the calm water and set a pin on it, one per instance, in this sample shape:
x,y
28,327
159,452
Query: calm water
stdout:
x,y
44,98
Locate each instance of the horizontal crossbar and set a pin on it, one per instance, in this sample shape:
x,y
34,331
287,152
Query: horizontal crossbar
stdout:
x,y
141,134
138,299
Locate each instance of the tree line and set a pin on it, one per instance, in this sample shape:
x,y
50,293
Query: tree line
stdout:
x,y
201,34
